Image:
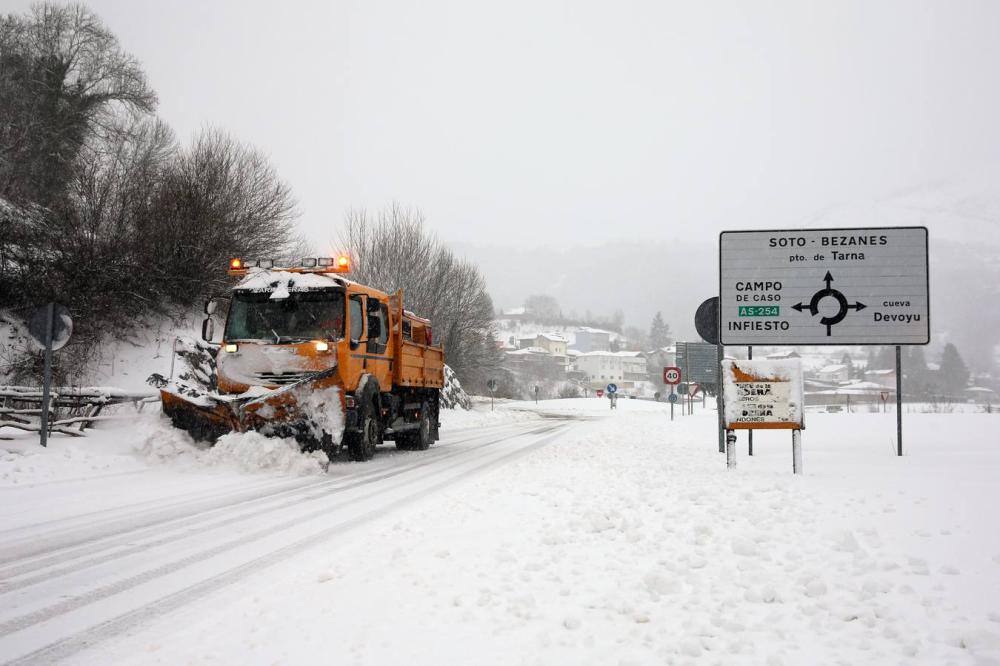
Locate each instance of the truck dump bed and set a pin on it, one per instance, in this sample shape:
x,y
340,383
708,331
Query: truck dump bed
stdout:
x,y
420,363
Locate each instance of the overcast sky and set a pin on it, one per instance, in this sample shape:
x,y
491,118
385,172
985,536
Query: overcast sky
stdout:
x,y
581,121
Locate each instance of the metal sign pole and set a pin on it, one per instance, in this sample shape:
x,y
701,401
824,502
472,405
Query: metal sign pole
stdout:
x,y
796,451
672,404
750,432
719,402
687,373
899,401
47,376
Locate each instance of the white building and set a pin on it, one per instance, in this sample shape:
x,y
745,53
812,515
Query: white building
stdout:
x,y
600,368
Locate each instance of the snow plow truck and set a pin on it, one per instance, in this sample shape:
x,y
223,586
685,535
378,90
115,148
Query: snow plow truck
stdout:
x,y
310,354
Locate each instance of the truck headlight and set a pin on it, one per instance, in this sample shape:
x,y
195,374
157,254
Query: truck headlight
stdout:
x,y
322,346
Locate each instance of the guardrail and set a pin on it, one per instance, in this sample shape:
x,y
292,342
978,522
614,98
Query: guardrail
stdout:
x,y
72,409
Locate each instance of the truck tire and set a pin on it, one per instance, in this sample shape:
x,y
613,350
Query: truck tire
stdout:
x,y
362,443
422,437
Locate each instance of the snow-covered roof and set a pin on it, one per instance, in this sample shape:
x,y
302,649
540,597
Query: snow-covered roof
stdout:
x,y
588,329
514,311
553,337
836,367
880,372
780,355
574,352
627,353
529,350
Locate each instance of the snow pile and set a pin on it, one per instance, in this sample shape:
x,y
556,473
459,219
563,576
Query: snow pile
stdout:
x,y
249,452
323,410
254,452
453,395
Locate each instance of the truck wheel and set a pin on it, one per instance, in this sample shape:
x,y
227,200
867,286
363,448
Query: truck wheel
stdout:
x,y
361,445
421,437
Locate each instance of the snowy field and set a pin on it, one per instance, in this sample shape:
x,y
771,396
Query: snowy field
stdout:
x,y
561,533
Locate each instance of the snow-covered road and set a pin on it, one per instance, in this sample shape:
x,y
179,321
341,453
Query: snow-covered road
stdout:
x,y
84,560
556,534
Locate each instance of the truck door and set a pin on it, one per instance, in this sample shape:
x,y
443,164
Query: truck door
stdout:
x,y
379,362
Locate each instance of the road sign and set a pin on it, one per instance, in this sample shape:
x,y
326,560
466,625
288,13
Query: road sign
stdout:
x,y
763,394
492,385
706,320
672,397
671,375
693,389
62,326
612,388
884,395
600,393
866,286
699,361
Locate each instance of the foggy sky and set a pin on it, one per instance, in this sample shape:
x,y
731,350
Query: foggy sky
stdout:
x,y
527,122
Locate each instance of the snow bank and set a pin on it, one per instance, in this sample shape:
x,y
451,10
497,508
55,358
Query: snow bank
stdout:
x,y
628,542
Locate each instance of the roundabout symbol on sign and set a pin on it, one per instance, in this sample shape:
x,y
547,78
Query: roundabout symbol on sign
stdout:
x,y
843,305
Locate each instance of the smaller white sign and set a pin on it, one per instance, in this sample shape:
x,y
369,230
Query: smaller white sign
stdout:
x,y
763,394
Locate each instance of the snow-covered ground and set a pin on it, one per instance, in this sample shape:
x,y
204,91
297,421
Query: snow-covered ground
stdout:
x,y
562,533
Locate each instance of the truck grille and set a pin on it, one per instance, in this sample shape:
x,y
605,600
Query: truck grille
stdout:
x,y
280,378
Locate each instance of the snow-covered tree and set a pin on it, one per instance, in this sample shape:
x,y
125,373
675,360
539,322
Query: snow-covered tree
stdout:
x,y
954,374
659,332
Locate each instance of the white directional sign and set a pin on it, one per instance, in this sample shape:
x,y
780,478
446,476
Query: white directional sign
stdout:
x,y
824,287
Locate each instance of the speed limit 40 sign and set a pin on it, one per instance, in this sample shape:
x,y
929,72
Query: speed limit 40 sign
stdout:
x,y
671,376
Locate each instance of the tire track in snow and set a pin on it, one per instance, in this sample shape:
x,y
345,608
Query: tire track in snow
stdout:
x,y
66,647
299,495
76,534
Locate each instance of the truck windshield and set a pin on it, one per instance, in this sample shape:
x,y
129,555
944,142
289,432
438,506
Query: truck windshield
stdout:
x,y
304,315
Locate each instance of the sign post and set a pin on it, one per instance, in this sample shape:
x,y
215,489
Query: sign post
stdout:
x,y
673,399
899,402
50,327
536,395
750,432
854,286
492,386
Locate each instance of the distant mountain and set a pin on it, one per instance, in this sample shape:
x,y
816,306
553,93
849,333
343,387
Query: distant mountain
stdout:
x,y
641,277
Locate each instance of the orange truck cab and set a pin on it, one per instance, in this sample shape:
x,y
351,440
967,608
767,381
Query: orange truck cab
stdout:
x,y
308,353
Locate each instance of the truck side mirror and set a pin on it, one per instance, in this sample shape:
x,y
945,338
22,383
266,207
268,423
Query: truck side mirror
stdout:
x,y
207,329
210,306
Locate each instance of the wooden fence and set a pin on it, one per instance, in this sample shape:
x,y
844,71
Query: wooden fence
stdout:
x,y
72,409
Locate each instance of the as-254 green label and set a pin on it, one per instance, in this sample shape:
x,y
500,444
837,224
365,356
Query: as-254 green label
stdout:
x,y
759,310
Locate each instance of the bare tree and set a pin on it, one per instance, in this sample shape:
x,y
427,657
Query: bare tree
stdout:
x,y
63,75
392,250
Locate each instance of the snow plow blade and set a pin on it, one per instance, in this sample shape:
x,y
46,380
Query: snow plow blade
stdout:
x,y
301,410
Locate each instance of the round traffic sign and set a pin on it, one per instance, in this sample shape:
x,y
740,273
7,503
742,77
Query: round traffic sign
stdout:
x,y
612,388
492,385
62,326
672,397
706,320
672,375
600,393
